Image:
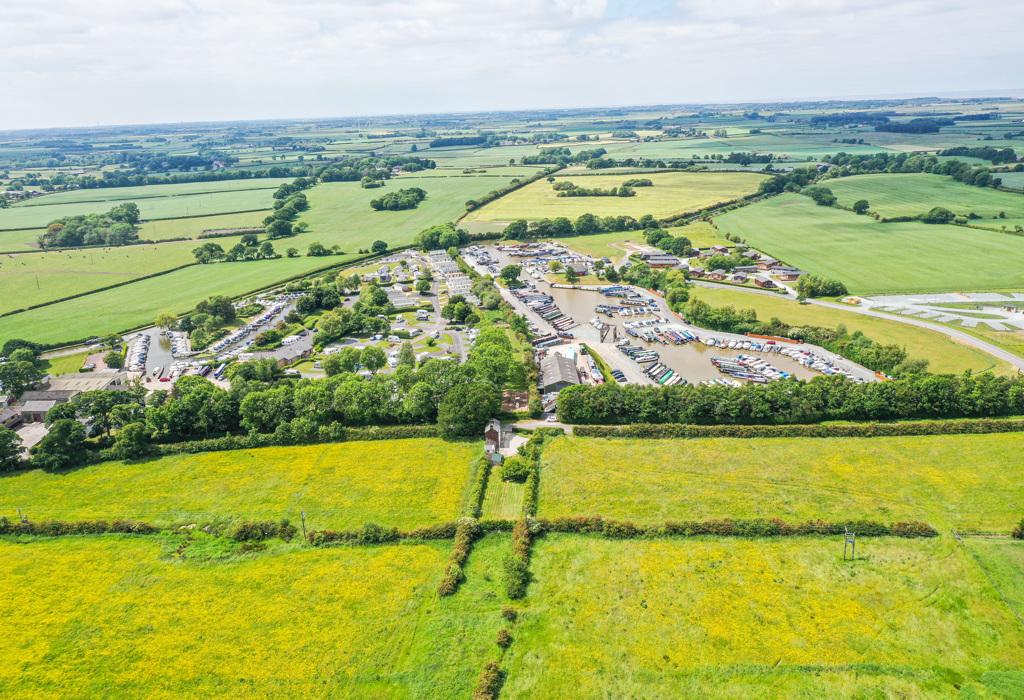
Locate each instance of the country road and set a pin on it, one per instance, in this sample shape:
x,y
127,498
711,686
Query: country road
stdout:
x,y
960,336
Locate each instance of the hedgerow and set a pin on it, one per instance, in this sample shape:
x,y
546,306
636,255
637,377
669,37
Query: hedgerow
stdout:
x,y
259,530
727,527
476,496
821,430
58,528
465,533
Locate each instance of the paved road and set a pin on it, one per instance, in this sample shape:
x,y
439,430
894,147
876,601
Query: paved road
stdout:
x,y
965,338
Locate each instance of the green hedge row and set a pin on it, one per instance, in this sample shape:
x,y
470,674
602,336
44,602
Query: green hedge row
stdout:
x,y
465,533
727,527
966,426
329,433
517,564
372,533
476,496
56,528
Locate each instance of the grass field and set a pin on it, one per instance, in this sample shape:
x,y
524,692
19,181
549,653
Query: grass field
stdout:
x,y
191,228
944,354
874,258
33,278
672,193
66,364
340,212
796,479
782,618
912,194
27,239
1003,560
185,205
132,194
117,617
1014,180
400,483
139,303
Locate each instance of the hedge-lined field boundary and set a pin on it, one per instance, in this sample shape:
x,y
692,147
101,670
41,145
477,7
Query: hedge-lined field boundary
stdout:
x,y
958,426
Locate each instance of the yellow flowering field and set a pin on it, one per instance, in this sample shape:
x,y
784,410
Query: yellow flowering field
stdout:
x,y
100,617
946,480
769,618
401,483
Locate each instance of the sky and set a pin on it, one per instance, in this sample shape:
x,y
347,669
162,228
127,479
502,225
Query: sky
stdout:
x,y
90,62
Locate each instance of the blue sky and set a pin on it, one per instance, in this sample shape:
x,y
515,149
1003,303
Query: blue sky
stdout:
x,y
68,62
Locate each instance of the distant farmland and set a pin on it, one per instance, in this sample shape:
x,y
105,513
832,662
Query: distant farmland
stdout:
x,y
672,193
874,258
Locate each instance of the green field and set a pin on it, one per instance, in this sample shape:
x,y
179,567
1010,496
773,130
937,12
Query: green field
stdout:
x,y
1003,560
766,618
120,617
399,483
138,303
134,194
796,479
191,228
340,212
672,193
37,214
1014,180
33,278
944,354
912,194
874,258
26,239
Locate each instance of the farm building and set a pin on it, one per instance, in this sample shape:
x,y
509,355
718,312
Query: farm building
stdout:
x,y
93,381
557,372
35,411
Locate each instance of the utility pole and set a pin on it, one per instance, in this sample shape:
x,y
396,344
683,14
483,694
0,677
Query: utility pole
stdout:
x,y
304,526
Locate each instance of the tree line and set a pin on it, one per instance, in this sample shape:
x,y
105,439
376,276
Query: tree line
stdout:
x,y
924,396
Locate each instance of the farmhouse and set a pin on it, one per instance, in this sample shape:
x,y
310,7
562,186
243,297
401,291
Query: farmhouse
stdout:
x,y
557,372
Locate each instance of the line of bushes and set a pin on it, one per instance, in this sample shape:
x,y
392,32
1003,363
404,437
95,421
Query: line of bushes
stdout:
x,y
816,430
480,478
335,432
372,533
259,530
466,533
57,528
516,567
728,527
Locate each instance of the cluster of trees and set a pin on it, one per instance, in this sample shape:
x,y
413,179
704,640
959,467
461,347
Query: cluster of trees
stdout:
x,y
206,322
850,119
562,156
919,125
584,225
793,401
749,158
569,189
639,182
822,196
406,198
362,318
441,236
350,169
855,346
675,245
289,201
247,248
20,372
995,155
119,226
478,140
818,286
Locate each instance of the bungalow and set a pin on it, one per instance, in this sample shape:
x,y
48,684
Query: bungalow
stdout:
x,y
738,278
720,250
787,274
764,283
697,271
35,411
10,418
716,275
767,263
745,268
659,260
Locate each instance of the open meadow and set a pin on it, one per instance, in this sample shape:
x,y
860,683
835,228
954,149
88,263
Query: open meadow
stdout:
x,y
894,195
944,354
192,227
672,193
397,483
876,258
117,617
34,278
882,478
769,618
138,303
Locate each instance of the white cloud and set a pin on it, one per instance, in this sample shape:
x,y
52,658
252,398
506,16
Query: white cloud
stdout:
x,y
116,61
